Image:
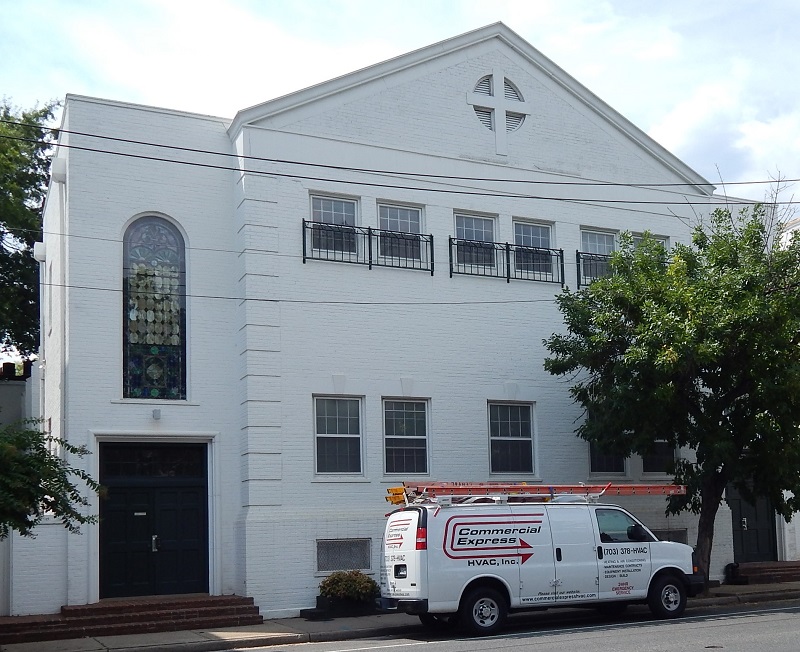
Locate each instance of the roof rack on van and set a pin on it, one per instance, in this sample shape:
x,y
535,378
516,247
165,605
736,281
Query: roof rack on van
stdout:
x,y
461,492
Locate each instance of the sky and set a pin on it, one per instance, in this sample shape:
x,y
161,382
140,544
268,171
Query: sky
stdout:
x,y
713,81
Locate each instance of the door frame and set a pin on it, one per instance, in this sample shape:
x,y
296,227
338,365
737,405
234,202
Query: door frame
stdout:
x,y
214,506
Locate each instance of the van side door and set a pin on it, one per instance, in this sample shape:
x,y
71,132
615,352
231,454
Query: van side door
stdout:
x,y
623,551
575,554
535,560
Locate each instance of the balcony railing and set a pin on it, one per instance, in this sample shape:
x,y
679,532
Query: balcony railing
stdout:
x,y
508,261
367,246
591,266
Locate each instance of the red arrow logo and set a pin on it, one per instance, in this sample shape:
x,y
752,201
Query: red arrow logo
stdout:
x,y
525,555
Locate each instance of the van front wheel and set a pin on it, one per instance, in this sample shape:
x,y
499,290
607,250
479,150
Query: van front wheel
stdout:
x,y
667,597
484,611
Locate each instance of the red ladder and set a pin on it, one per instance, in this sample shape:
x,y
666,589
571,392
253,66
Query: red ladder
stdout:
x,y
411,491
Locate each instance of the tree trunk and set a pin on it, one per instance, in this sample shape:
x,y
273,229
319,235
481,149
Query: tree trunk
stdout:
x,y
711,490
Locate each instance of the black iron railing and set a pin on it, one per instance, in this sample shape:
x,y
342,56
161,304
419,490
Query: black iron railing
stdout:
x,y
367,246
505,260
591,266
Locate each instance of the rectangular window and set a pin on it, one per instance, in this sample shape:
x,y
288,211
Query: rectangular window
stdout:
x,y
406,436
476,231
660,459
338,435
333,217
597,242
405,223
529,238
600,462
343,554
510,438
596,249
638,237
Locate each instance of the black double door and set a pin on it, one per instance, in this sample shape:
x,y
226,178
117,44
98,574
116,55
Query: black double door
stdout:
x,y
754,537
154,519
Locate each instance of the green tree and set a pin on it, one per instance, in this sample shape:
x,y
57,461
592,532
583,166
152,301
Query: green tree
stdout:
x,y
36,480
697,347
25,142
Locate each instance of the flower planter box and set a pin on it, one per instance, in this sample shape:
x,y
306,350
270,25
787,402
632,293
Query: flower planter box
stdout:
x,y
332,608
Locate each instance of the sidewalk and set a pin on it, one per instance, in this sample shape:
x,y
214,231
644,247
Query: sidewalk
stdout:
x,y
284,631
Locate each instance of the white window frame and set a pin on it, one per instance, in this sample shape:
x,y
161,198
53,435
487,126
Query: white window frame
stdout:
x,y
423,249
460,235
426,438
588,250
356,215
638,237
545,270
530,438
325,435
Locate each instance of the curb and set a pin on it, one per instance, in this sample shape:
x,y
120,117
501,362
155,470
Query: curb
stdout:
x,y
286,638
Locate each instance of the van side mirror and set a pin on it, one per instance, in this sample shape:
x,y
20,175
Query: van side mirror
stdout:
x,y
638,533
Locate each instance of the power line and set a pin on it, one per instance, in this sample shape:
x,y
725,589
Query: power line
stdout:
x,y
326,302
584,182
588,201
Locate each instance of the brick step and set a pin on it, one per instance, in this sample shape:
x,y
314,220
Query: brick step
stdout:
x,y
154,603
132,615
765,572
69,630
128,617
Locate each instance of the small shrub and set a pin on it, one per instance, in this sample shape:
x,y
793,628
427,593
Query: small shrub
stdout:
x,y
349,585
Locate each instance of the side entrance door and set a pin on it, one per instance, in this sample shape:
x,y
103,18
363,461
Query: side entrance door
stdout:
x,y
154,519
754,536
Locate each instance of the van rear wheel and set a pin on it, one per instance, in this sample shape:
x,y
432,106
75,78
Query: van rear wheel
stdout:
x,y
667,597
483,611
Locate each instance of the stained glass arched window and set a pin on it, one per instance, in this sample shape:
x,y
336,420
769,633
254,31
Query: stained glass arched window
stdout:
x,y
154,311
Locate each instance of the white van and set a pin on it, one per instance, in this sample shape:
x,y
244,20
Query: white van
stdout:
x,y
472,556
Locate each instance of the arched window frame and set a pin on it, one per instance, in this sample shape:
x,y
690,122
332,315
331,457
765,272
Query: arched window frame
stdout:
x,y
154,310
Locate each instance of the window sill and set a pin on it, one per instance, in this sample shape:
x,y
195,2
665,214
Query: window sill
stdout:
x,y
151,401
339,479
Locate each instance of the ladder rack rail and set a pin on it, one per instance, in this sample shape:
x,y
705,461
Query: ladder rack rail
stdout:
x,y
416,492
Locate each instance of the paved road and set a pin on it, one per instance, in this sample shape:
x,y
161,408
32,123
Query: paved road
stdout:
x,y
773,627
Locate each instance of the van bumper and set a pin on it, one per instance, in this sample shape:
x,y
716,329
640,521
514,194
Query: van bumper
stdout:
x,y
695,584
405,606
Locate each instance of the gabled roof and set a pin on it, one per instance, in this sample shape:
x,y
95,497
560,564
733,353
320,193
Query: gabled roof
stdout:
x,y
511,39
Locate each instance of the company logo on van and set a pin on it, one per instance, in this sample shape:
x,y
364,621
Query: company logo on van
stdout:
x,y
397,529
483,536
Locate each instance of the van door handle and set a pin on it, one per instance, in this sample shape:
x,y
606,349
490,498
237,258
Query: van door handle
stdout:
x,y
599,552
558,554
154,543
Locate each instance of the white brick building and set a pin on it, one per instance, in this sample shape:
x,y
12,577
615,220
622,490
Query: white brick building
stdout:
x,y
248,432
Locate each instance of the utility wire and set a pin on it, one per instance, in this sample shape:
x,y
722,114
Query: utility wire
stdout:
x,y
326,302
590,201
584,182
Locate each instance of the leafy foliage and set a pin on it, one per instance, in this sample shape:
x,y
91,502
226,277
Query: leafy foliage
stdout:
x,y
35,480
349,585
24,171
699,348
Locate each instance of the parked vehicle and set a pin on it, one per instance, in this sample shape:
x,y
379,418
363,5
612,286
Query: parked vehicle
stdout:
x,y
471,553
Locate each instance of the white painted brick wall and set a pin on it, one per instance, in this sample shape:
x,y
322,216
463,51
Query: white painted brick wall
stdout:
x,y
255,365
